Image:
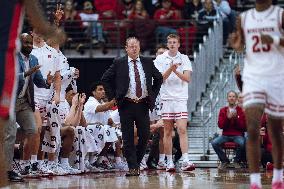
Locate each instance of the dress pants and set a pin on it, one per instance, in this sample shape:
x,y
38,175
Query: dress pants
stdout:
x,y
134,113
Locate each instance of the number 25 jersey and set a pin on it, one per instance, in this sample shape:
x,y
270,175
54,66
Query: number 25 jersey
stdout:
x,y
261,59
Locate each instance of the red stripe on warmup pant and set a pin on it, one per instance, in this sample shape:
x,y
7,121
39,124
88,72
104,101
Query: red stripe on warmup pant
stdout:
x,y
10,64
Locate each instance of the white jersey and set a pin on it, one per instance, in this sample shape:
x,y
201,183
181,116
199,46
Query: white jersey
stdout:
x,y
262,60
91,115
67,74
114,115
48,59
173,88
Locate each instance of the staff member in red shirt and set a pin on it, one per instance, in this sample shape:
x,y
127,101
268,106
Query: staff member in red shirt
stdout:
x,y
232,120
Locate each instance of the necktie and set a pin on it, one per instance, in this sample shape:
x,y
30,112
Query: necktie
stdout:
x,y
137,80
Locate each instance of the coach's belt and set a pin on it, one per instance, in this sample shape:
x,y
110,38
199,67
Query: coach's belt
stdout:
x,y
136,100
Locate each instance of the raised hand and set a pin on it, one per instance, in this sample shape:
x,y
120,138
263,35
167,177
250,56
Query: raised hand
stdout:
x,y
231,114
58,14
113,103
82,98
32,70
75,99
266,39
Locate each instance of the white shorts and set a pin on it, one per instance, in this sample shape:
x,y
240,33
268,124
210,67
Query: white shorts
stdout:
x,y
41,106
174,109
267,91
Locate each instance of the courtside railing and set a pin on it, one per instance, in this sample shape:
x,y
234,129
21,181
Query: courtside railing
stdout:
x,y
218,99
87,36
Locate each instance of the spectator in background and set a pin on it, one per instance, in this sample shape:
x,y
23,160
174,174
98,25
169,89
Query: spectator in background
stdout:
x,y
232,120
138,11
151,6
142,26
178,4
223,8
90,18
73,25
192,8
108,9
125,25
208,14
112,10
205,19
128,6
79,4
162,16
228,16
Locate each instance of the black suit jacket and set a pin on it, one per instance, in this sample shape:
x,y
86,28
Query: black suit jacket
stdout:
x,y
116,80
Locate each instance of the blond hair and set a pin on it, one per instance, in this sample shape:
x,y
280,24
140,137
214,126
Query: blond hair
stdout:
x,y
173,36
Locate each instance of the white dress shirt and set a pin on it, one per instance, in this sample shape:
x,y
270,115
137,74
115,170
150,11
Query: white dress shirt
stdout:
x,y
27,67
131,93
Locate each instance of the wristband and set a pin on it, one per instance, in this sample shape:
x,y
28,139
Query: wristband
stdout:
x,y
276,40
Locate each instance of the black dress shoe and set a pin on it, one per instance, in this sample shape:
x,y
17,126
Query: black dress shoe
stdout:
x,y
14,177
133,172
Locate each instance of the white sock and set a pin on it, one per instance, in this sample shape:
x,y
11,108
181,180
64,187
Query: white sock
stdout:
x,y
169,159
33,158
277,175
162,157
64,161
185,157
255,179
117,159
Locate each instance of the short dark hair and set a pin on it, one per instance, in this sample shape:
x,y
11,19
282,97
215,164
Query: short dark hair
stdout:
x,y
161,46
69,88
94,85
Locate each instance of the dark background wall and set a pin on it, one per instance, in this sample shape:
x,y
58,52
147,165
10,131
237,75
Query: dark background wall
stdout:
x,y
91,70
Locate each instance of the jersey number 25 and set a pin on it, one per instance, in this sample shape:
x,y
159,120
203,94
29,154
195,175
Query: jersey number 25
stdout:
x,y
258,47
